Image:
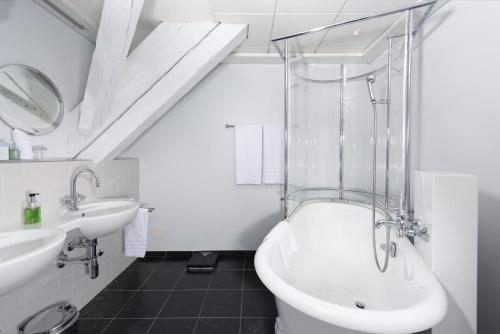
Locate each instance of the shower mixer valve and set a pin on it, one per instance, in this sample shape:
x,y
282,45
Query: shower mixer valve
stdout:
x,y
405,227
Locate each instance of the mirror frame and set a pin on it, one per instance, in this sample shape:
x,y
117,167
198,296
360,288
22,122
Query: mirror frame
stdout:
x,y
57,122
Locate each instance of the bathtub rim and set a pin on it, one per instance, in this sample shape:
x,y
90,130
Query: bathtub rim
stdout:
x,y
383,211
432,307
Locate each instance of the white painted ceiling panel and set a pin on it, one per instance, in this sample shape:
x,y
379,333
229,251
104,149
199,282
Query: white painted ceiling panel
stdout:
x,y
309,6
176,11
266,19
357,35
375,6
242,6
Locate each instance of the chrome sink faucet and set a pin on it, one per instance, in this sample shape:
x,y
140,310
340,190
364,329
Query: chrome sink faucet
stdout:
x,y
71,202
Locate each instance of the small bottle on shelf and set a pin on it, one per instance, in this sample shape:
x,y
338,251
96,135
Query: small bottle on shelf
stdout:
x,y
14,153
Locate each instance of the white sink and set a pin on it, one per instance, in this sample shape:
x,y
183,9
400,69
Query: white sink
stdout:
x,y
98,219
24,254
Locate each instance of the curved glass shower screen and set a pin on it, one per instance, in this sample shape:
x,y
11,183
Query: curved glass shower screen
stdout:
x,y
338,112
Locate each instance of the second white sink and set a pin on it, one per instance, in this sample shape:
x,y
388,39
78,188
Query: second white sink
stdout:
x,y
98,219
26,253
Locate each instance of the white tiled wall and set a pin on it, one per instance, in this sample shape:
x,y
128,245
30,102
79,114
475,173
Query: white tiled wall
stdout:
x,y
119,178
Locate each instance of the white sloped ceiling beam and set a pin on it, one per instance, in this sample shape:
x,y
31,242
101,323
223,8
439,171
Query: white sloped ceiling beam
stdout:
x,y
154,57
118,22
151,60
186,72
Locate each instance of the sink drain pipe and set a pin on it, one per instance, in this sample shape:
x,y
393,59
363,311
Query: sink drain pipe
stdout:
x,y
90,260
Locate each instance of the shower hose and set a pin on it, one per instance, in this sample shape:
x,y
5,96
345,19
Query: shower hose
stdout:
x,y
380,267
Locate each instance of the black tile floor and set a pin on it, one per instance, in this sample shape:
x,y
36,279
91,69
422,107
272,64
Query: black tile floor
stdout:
x,y
156,295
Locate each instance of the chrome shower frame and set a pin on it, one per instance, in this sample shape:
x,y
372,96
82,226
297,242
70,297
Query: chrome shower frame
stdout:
x,y
404,210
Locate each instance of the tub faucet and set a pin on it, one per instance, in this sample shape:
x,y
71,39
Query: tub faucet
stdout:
x,y
71,202
405,227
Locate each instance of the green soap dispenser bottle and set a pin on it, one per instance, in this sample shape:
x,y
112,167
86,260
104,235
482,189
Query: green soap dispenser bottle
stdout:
x,y
32,211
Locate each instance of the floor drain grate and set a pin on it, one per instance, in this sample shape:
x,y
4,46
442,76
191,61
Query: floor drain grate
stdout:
x,y
359,304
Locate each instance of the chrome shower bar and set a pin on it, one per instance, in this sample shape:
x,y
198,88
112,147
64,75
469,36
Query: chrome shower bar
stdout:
x,y
403,206
341,131
405,203
362,19
388,121
431,5
286,139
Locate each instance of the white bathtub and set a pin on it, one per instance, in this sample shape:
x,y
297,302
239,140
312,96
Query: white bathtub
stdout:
x,y
319,262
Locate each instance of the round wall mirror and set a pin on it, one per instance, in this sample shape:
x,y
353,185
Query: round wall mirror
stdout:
x,y
29,101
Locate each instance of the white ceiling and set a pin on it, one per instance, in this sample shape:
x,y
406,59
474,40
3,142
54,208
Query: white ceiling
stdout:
x,y
267,19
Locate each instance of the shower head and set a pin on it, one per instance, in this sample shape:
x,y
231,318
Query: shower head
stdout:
x,y
370,80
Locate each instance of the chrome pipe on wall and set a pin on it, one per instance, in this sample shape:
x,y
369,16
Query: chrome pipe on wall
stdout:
x,y
342,130
287,127
388,121
405,202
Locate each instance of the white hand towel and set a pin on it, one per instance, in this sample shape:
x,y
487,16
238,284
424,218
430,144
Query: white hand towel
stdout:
x,y
248,143
274,154
136,235
23,143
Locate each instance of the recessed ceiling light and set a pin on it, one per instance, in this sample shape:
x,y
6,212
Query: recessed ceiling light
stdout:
x,y
356,32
